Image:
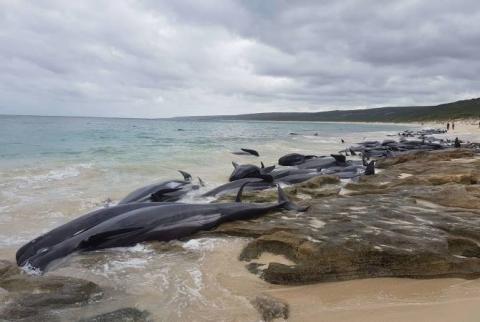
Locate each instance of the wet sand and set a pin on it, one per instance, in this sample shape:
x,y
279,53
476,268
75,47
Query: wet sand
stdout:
x,y
384,299
376,299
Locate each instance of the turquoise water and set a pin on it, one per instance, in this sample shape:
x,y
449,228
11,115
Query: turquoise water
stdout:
x,y
53,169
65,166
29,138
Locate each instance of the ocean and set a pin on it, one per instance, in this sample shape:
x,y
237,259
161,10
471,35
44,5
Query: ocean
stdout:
x,y
53,169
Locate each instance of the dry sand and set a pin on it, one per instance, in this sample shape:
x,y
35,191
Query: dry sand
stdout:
x,y
384,299
467,130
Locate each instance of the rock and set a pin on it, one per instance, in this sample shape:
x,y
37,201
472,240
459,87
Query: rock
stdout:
x,y
418,218
52,290
317,182
163,247
8,269
270,308
452,196
425,156
31,296
121,315
317,187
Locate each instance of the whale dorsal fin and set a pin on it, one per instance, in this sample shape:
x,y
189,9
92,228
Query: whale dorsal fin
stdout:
x,y
240,192
187,176
235,164
201,182
268,169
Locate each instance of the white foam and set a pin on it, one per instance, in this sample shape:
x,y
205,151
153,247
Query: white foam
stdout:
x,y
201,244
70,171
30,270
316,223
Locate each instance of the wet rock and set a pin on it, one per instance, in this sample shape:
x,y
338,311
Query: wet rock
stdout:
x,y
418,218
317,187
426,156
270,308
163,247
121,315
318,182
31,296
452,196
8,269
52,290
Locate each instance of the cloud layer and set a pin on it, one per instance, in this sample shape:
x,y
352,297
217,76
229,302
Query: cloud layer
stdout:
x,y
185,57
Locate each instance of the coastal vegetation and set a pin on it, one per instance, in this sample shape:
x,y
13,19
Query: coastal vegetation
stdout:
x,y
465,109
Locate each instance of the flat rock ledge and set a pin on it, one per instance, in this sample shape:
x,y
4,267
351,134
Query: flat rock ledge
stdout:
x,y
38,298
270,308
419,217
121,315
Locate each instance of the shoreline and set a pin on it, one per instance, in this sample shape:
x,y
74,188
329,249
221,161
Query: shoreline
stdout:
x,y
289,249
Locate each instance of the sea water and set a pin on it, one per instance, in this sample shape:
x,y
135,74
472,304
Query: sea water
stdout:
x,y
53,169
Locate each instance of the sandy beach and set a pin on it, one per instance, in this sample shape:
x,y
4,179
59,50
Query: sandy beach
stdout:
x,y
465,129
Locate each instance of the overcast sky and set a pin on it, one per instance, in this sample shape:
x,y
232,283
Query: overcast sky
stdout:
x,y
165,58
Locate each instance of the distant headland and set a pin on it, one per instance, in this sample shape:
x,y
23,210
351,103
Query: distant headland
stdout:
x,y
464,109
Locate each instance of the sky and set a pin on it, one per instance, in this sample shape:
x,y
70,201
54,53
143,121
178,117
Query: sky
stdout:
x,y
158,58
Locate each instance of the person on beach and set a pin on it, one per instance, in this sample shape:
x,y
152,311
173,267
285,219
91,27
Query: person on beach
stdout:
x,y
453,126
448,126
457,143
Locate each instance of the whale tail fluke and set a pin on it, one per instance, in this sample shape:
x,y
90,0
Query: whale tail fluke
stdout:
x,y
287,204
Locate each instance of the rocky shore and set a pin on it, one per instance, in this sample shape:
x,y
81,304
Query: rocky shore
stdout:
x,y
418,217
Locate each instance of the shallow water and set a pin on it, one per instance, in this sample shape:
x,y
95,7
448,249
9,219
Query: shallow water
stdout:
x,y
53,169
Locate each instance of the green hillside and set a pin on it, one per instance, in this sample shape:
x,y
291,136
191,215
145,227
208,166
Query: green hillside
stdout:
x,y
456,110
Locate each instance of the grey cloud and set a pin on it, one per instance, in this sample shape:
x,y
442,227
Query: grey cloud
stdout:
x,y
164,58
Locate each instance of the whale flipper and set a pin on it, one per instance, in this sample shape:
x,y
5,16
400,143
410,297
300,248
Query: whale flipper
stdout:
x,y
98,239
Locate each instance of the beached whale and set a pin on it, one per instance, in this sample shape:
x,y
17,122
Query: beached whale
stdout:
x,y
162,222
171,190
251,171
247,152
284,172
253,184
294,159
318,163
73,228
298,177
